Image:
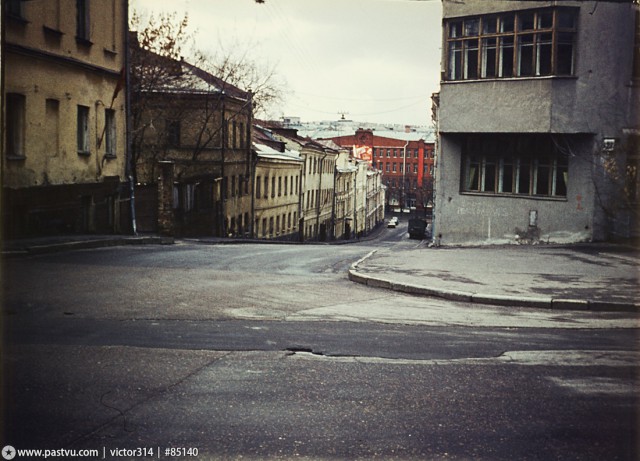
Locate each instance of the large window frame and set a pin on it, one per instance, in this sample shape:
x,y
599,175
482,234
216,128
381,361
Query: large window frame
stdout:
x,y
520,166
518,44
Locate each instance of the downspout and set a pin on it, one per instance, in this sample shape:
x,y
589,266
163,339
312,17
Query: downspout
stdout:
x,y
251,164
355,203
333,203
127,89
223,185
404,172
320,191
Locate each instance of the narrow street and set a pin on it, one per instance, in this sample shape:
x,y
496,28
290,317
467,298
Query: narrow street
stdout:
x,y
269,352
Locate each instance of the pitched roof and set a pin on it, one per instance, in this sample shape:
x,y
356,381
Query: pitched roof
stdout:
x,y
182,77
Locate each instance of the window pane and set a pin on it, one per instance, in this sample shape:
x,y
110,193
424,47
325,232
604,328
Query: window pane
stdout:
x,y
543,172
506,57
564,63
525,21
561,177
472,174
455,63
488,57
506,184
544,20
455,29
489,25
471,27
83,129
506,23
15,124
110,131
524,176
471,59
543,54
525,55
490,175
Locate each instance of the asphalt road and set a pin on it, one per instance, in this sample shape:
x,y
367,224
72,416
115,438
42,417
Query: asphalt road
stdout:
x,y
269,352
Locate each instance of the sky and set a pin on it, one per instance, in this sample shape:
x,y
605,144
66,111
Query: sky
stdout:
x,y
371,60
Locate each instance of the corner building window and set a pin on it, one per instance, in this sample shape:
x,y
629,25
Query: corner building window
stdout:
x,y
526,165
529,43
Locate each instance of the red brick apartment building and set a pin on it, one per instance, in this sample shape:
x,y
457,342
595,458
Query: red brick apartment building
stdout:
x,y
406,161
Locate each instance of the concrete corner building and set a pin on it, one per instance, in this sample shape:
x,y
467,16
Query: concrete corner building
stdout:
x,y
64,117
537,121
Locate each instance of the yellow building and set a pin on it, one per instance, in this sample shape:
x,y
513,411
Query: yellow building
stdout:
x,y
277,192
64,129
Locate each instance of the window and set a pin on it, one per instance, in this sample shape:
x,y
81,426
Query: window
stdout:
x,y
279,186
173,133
522,44
15,115
273,186
266,186
83,130
517,165
258,185
13,8
110,131
82,20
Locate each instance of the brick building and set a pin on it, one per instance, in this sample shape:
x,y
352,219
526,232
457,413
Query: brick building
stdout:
x,y
405,160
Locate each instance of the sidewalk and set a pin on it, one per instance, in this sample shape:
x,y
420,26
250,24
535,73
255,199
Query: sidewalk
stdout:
x,y
41,245
595,276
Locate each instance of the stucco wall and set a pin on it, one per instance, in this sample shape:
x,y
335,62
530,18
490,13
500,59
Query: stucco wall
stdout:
x,y
598,101
50,140
471,218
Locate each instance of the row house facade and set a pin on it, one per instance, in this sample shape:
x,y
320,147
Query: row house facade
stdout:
x,y
317,185
375,199
333,189
277,192
537,118
64,115
405,160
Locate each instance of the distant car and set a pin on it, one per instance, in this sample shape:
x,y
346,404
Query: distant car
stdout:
x,y
392,223
394,219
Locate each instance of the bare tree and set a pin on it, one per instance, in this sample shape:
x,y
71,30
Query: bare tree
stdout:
x,y
198,89
235,65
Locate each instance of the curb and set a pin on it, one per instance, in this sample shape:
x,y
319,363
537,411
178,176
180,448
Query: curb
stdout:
x,y
492,299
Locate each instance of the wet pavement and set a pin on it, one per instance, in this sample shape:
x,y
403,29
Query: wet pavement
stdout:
x,y
582,276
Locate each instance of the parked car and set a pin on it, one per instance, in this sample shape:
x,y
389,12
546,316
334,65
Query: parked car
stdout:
x,y
392,223
417,228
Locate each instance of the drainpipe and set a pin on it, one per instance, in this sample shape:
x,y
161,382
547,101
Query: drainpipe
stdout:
x,y
320,191
404,172
252,166
355,203
223,186
127,92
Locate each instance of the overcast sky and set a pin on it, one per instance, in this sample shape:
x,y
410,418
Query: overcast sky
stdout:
x,y
375,60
